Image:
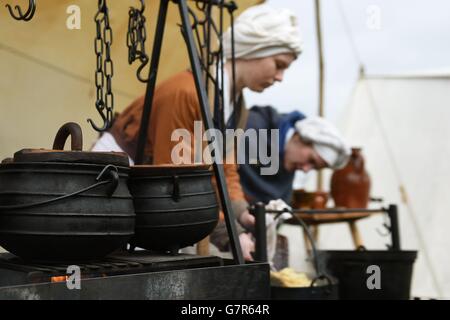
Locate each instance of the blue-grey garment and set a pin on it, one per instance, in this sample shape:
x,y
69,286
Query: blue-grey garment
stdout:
x,y
268,187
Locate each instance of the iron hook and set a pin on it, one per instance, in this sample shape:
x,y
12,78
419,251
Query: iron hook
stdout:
x,y
102,5
106,121
384,234
142,6
21,16
142,9
140,69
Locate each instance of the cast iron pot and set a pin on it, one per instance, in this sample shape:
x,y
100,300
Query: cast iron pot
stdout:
x,y
65,205
352,270
321,288
176,206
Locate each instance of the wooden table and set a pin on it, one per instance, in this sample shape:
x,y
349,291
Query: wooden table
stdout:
x,y
316,219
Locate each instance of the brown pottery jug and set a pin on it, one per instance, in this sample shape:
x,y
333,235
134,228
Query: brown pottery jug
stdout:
x,y
350,186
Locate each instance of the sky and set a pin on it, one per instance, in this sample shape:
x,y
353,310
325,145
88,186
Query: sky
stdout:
x,y
389,37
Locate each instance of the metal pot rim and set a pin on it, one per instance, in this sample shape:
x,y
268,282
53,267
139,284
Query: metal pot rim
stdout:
x,y
166,169
119,159
57,165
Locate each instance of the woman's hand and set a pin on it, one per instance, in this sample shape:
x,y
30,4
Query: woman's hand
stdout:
x,y
247,220
247,246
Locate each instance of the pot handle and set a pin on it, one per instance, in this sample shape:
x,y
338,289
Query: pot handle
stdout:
x,y
321,277
73,130
328,289
320,273
109,175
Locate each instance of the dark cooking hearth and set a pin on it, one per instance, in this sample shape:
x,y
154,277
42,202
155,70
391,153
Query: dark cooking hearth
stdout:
x,y
140,275
15,271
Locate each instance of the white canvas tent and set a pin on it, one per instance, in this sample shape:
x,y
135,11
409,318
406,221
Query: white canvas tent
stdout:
x,y
403,125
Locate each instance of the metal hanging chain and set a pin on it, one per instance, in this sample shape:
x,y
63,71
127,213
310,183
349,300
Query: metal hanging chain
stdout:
x,y
202,32
27,16
205,29
231,9
105,69
136,38
220,94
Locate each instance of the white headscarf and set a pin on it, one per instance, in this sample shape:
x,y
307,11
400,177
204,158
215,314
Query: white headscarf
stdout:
x,y
263,31
326,140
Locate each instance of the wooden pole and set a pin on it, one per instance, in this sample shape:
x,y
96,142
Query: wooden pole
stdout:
x,y
321,80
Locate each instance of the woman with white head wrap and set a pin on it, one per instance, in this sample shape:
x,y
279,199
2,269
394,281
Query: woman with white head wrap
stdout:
x,y
325,140
266,41
263,31
305,143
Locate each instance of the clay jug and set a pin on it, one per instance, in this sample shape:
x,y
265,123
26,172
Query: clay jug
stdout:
x,y
350,186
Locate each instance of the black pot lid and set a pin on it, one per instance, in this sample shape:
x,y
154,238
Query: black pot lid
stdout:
x,y
88,157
